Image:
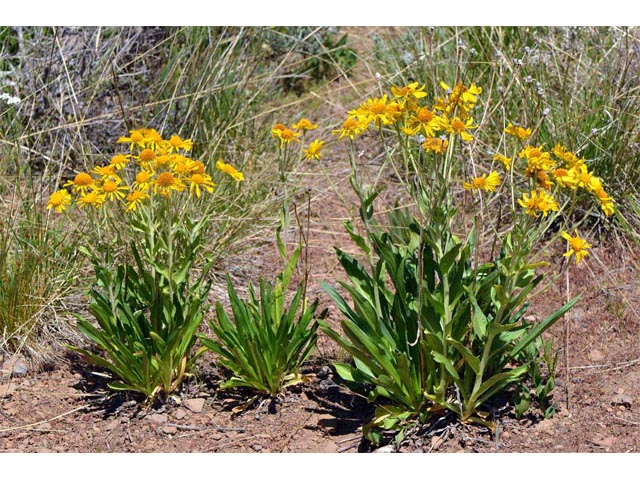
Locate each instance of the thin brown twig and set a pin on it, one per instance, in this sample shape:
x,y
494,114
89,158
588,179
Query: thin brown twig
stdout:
x,y
29,426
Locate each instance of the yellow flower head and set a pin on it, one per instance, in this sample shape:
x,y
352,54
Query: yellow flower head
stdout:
x,y
135,138
151,137
304,125
314,150
229,170
59,200
437,145
520,132
112,190
412,90
376,111
176,143
460,127
585,179
564,179
569,158
350,128
506,161
461,99
424,119
606,202
119,161
134,198
537,159
538,202
285,135
92,199
81,183
166,182
576,245
143,180
107,171
197,181
488,183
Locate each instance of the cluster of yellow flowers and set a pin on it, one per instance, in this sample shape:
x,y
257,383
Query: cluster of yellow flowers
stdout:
x,y
153,166
449,114
287,135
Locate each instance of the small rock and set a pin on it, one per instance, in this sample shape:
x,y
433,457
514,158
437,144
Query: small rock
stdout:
x,y
531,319
324,372
596,355
194,404
158,418
215,436
15,366
180,413
170,430
606,442
436,441
256,448
44,426
545,426
505,435
385,449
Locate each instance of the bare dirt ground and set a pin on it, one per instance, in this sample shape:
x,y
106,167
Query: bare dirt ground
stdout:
x,y
67,408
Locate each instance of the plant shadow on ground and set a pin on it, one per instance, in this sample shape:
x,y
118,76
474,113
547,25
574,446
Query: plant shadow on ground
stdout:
x,y
94,382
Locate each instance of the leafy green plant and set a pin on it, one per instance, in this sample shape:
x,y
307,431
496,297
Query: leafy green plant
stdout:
x,y
267,342
147,321
437,319
148,234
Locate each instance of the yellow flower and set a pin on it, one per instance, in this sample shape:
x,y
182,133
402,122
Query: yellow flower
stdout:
x,y
457,125
135,138
143,180
59,200
437,145
570,159
92,199
229,170
284,134
543,180
108,171
538,202
408,91
304,125
314,150
423,119
606,202
134,198
376,111
350,128
520,132
460,97
488,183
585,179
198,181
506,161
146,156
151,138
165,183
81,183
564,179
119,161
176,143
112,190
577,245
537,159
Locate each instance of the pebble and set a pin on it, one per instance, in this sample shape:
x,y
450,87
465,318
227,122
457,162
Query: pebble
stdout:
x,y
14,366
385,449
158,418
170,430
596,355
180,413
194,404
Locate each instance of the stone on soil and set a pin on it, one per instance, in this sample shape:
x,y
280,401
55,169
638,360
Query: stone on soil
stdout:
x,y
194,404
